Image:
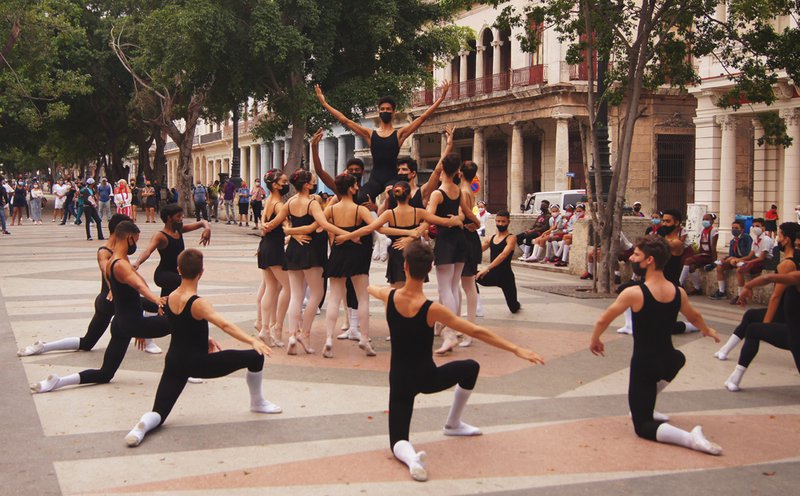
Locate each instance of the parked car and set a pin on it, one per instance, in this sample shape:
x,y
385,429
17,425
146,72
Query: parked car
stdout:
x,y
561,198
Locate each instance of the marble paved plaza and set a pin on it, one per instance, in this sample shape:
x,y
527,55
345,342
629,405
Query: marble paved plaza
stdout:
x,y
562,428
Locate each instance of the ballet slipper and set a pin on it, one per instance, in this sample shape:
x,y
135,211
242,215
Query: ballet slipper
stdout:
x,y
447,346
291,347
305,342
275,335
327,351
366,346
466,342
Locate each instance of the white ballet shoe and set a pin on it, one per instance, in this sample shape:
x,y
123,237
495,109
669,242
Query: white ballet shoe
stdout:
x,y
152,348
463,429
732,386
265,406
291,347
36,348
437,328
417,468
351,334
364,345
46,385
135,436
327,351
305,343
465,343
719,355
625,330
447,346
194,380
700,443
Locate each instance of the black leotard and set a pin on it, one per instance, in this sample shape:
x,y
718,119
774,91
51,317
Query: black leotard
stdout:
x,y
502,276
395,271
271,251
166,275
412,370
450,241
350,259
313,254
415,200
654,358
672,269
472,251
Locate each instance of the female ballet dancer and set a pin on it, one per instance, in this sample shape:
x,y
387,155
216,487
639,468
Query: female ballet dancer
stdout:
x,y
103,306
272,262
655,362
126,286
193,353
385,142
472,248
449,253
412,371
305,261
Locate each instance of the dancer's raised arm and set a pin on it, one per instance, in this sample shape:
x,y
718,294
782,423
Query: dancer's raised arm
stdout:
x,y
348,123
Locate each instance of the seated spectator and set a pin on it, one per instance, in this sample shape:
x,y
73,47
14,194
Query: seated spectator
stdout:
x,y
566,244
543,245
625,252
655,223
637,209
526,238
708,249
752,263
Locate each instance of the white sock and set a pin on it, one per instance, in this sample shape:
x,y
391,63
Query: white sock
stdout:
x,y
66,344
684,274
537,252
526,251
721,286
695,440
548,250
404,451
559,249
565,253
732,342
254,380
733,381
454,426
353,319
54,382
690,327
149,314
628,327
695,279
147,423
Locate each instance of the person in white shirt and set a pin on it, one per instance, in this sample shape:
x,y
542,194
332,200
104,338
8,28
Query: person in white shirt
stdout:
x,y
483,214
60,190
753,263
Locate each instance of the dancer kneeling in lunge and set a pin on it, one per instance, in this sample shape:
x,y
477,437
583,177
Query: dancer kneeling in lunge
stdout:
x,y
193,354
412,371
655,363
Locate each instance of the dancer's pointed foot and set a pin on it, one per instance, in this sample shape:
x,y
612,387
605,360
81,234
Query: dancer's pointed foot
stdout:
x,y
700,443
136,435
364,345
327,352
417,468
36,348
447,346
305,342
463,429
265,406
291,347
466,342
276,335
46,385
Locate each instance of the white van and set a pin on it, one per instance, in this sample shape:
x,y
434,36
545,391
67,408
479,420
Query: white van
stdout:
x,y
533,201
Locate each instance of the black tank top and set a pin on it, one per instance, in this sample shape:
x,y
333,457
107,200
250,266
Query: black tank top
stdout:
x,y
103,284
672,269
357,225
790,303
384,156
303,220
169,255
652,325
277,232
189,335
415,201
127,303
448,206
412,338
409,227
496,249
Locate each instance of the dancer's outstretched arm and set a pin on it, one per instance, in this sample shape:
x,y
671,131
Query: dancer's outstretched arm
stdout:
x,y
158,240
511,243
440,313
349,124
630,298
408,130
205,237
203,310
433,180
323,176
790,279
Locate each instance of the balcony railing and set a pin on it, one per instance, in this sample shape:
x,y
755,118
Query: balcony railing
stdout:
x,y
486,85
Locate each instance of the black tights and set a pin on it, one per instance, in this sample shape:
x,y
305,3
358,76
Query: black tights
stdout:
x,y
208,366
504,279
103,313
776,334
646,372
754,316
352,300
404,386
91,215
144,327
167,280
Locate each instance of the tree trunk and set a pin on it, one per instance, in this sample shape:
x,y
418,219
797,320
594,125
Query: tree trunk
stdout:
x,y
297,146
144,157
185,177
159,165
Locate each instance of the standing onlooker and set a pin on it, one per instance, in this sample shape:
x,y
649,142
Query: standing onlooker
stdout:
x,y
200,201
20,202
149,203
123,198
3,203
637,209
483,214
69,202
90,209
244,204
37,196
256,197
173,195
771,221
60,190
78,203
134,198
228,192
213,201
104,198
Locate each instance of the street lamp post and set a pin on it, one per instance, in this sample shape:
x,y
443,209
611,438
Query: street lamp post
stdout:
x,y
601,133
236,174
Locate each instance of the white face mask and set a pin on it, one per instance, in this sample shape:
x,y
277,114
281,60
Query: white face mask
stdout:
x,y
757,231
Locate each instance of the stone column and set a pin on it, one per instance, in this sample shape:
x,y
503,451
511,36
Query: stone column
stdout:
x,y
341,153
760,200
727,179
479,61
277,163
516,174
462,66
478,142
209,172
254,164
561,165
791,166
217,169
265,159
496,68
706,169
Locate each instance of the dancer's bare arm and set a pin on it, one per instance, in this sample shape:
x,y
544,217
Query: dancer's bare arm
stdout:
x,y
433,180
158,241
440,313
323,176
511,243
124,273
280,216
349,124
408,130
784,267
205,237
450,221
630,298
202,310
695,317
790,279
380,293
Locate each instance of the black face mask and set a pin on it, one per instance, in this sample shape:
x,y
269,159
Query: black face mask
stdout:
x,y
545,209
132,249
401,197
402,177
457,179
665,230
313,189
502,228
358,177
177,226
284,190
639,270
386,117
